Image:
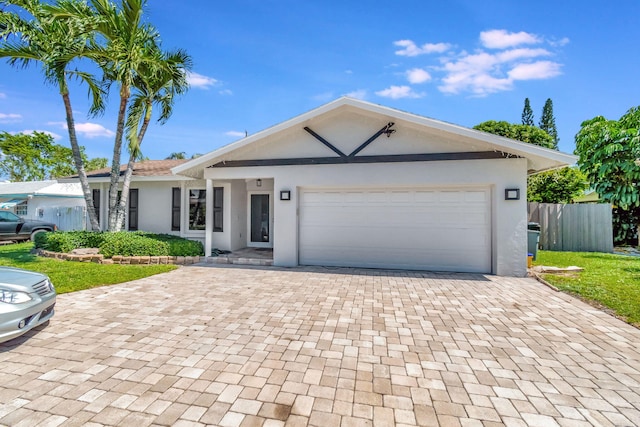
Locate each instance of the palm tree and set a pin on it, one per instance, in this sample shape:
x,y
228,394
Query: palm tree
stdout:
x,y
121,53
54,44
158,81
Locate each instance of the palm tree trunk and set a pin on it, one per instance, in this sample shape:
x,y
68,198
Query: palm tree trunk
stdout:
x,y
115,164
77,158
126,182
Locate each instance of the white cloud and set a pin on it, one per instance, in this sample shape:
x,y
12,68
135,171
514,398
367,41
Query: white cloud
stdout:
x,y
3,95
225,92
200,81
357,94
521,53
501,39
397,92
409,48
535,71
482,73
93,130
10,118
418,75
323,97
52,134
235,133
88,130
559,43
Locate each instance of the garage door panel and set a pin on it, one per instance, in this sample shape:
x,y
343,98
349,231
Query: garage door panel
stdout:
x,y
433,229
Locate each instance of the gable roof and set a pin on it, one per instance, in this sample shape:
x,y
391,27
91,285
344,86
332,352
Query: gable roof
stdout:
x,y
49,188
153,169
539,158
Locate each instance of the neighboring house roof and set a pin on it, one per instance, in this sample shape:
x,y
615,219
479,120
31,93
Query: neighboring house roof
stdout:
x,y
538,158
589,196
144,170
49,188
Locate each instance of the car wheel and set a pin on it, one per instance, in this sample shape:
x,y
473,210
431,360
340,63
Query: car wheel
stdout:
x,y
36,232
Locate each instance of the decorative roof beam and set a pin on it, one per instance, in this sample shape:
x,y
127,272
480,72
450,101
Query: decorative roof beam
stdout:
x,y
387,129
392,158
325,142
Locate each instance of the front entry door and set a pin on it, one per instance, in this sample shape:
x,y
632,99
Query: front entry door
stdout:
x,y
259,221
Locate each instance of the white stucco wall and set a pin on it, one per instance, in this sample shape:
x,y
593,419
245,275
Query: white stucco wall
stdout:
x,y
46,203
154,206
509,235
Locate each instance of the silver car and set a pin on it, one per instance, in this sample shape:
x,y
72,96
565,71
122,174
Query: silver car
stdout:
x,y
26,301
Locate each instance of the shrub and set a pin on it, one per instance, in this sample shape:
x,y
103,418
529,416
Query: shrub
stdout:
x,y
56,242
125,243
132,244
40,240
89,239
184,247
625,226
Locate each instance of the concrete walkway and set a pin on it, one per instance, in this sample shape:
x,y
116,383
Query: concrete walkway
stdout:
x,y
323,347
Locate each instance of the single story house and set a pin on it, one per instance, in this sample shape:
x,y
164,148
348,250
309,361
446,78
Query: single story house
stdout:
x,y
61,203
354,184
155,198
357,184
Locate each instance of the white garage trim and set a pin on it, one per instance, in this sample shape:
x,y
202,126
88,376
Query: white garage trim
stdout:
x,y
423,228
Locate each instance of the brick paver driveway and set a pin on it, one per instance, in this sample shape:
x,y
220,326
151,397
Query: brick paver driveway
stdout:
x,y
251,347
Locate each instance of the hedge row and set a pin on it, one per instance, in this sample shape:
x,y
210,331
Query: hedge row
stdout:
x,y
125,243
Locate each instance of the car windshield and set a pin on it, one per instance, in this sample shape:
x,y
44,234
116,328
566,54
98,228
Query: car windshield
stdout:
x,y
8,217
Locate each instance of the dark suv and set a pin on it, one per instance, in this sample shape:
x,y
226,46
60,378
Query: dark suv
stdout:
x,y
12,227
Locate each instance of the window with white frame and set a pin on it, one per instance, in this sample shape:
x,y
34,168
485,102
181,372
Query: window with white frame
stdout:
x,y
197,209
21,209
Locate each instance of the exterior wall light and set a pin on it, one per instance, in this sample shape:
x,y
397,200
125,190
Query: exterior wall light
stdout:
x,y
285,195
512,194
258,182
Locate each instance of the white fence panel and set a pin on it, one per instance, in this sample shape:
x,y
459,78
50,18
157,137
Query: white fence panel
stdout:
x,y
66,218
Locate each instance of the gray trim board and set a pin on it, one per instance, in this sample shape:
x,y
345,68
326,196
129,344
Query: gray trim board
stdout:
x,y
395,158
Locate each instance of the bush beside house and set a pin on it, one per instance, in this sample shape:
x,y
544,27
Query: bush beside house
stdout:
x,y
123,243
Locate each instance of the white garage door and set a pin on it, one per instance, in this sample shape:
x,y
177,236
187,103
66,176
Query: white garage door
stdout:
x,y
426,229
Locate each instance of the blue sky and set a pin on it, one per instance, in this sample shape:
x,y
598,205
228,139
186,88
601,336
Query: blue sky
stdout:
x,y
259,63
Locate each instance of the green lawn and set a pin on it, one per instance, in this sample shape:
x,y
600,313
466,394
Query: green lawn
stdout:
x,y
70,276
610,280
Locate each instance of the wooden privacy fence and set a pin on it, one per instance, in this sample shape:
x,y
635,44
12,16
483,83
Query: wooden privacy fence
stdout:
x,y
584,227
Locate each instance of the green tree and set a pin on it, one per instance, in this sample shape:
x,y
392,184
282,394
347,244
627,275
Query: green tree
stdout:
x,y
548,122
96,163
177,156
31,35
556,186
127,50
527,114
609,155
125,37
159,85
37,157
524,133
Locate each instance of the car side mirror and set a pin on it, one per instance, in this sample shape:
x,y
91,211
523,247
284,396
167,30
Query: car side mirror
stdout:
x,y
21,220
